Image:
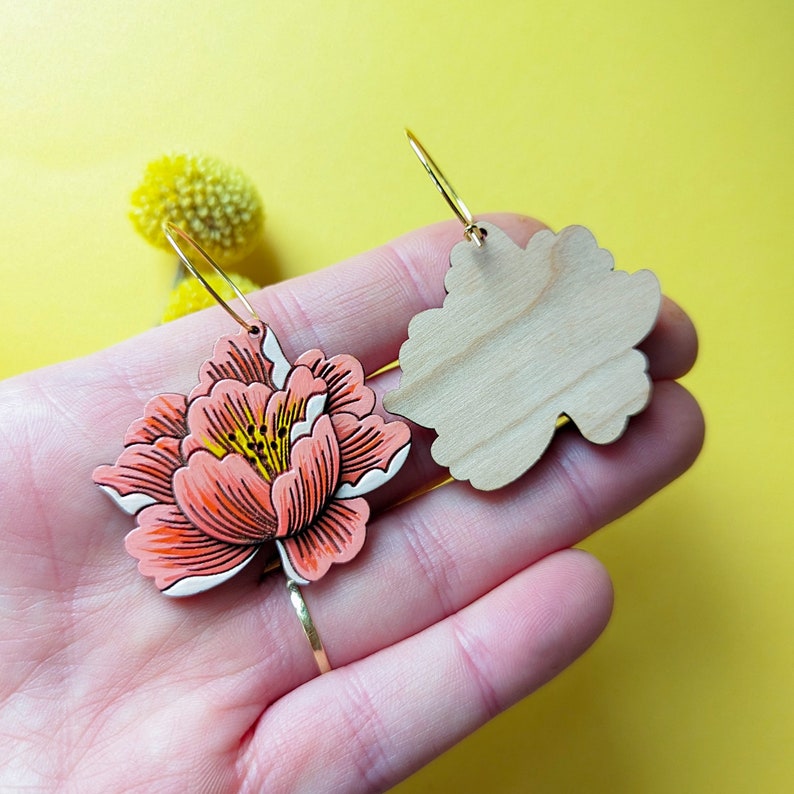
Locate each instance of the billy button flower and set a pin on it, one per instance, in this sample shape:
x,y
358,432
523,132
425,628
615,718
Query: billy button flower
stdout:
x,y
213,202
189,295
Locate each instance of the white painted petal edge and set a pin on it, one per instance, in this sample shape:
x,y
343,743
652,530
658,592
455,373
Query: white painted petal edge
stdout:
x,y
132,502
271,350
314,407
290,572
374,478
192,585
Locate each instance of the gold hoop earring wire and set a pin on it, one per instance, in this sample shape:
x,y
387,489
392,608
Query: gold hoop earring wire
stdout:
x,y
172,232
471,231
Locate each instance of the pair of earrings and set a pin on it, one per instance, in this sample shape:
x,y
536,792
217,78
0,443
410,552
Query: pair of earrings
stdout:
x,y
264,449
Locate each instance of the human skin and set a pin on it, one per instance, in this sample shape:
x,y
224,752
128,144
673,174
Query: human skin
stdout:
x,y
460,604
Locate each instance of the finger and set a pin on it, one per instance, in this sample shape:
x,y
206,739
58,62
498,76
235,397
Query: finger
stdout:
x,y
361,306
672,346
428,558
671,349
401,707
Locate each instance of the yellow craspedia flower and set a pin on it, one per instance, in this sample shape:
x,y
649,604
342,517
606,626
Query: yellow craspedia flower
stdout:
x,y
190,296
216,204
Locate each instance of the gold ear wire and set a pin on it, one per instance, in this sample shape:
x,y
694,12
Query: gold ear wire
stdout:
x,y
471,231
172,231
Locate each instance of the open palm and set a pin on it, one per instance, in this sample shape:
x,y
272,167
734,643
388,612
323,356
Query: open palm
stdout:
x,y
461,602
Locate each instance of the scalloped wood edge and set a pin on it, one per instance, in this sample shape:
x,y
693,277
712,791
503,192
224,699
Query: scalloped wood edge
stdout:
x,y
525,336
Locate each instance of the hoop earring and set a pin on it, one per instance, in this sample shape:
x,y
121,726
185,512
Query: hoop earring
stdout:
x,y
262,452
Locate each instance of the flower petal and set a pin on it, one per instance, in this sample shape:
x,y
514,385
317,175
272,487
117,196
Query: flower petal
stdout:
x,y
345,378
372,451
230,419
336,536
314,407
226,499
132,502
182,559
144,471
300,494
291,413
254,421
245,357
164,415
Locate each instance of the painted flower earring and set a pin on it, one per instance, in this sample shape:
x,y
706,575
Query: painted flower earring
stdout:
x,y
527,338
261,451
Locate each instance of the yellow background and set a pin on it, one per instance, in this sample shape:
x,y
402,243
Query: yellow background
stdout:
x,y
666,127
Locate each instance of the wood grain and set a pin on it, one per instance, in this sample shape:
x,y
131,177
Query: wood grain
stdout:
x,y
525,336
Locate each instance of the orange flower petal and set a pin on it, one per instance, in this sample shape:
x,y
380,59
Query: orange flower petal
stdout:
x,y
336,536
368,445
291,413
143,469
164,415
300,494
181,559
226,499
230,419
345,378
245,357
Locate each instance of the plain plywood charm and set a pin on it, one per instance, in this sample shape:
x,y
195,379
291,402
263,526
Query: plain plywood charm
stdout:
x,y
525,336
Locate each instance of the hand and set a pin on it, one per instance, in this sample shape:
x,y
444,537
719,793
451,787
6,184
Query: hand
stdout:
x,y
460,604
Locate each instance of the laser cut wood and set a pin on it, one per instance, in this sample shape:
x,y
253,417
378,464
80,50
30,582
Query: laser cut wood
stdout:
x,y
525,336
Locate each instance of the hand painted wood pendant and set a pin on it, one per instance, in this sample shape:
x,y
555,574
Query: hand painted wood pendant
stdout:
x,y
524,336
261,450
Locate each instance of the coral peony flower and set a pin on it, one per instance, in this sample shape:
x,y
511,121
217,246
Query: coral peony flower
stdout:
x,y
260,451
